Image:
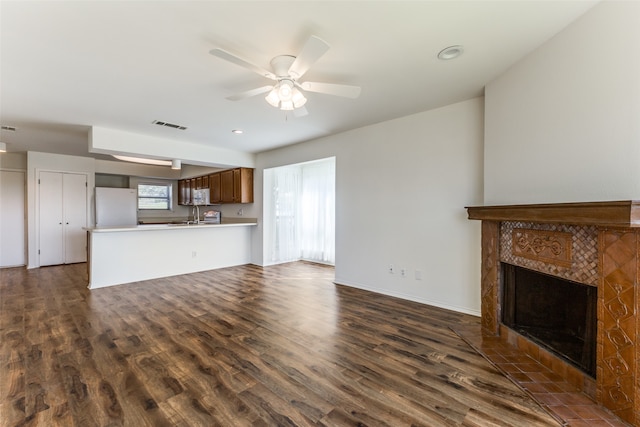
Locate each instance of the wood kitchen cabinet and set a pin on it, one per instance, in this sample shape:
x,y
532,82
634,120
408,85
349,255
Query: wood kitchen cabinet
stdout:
x,y
184,192
236,185
230,186
214,188
243,185
226,187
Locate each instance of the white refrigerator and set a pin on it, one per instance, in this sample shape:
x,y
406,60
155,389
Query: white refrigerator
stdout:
x,y
116,207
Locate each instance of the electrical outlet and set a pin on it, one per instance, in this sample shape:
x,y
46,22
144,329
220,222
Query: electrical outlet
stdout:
x,y
391,270
418,275
403,272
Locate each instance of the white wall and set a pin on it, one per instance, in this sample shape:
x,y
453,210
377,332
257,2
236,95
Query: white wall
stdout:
x,y
13,230
12,218
14,161
401,189
563,124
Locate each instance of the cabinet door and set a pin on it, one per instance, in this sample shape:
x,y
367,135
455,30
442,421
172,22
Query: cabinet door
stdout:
x,y
187,197
185,192
243,182
227,186
181,192
74,208
214,188
237,186
51,245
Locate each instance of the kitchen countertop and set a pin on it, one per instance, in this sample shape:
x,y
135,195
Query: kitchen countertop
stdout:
x,y
168,226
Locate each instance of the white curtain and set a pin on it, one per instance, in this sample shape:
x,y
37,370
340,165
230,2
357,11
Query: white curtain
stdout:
x,y
300,212
286,233
317,212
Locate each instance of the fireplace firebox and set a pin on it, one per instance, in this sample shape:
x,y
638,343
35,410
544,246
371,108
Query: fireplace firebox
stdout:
x,y
556,313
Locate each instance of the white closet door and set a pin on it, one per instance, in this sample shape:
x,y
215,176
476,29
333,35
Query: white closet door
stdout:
x,y
74,207
12,219
50,214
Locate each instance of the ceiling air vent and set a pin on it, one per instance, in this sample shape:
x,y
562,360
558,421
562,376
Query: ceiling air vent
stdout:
x,y
169,125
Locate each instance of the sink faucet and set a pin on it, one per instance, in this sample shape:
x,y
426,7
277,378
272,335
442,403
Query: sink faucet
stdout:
x,y
196,214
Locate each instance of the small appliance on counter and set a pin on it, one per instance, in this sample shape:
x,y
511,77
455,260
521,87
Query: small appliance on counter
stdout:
x,y
212,217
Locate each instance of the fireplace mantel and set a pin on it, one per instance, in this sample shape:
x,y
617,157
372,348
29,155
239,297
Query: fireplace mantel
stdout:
x,y
602,246
625,213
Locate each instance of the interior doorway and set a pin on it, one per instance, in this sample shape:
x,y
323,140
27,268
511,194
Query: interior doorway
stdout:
x,y
299,212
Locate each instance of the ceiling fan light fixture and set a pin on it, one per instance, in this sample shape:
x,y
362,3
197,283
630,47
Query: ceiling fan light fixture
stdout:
x,y
273,98
285,90
298,98
287,105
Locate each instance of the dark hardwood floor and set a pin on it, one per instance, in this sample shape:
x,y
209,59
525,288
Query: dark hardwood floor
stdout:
x,y
241,346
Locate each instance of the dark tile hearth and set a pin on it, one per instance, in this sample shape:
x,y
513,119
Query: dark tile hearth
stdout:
x,y
557,396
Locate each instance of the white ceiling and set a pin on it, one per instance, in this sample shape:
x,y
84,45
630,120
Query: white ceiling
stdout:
x,y
68,65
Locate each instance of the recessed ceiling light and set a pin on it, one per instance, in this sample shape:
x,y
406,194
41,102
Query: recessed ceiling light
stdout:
x,y
450,52
237,131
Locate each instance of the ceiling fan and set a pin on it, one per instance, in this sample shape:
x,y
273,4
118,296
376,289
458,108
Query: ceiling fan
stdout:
x,y
287,92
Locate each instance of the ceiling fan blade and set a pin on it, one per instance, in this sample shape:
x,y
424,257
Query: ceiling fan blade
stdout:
x,y
345,91
313,49
223,54
249,93
300,112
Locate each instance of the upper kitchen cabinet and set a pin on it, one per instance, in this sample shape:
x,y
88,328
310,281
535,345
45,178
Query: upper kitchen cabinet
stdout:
x,y
227,189
230,186
214,188
184,192
243,185
236,185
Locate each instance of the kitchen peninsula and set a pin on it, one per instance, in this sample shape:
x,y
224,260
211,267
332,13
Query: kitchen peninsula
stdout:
x,y
118,255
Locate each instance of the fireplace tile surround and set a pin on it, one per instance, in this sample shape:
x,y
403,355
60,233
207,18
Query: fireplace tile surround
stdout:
x,y
594,243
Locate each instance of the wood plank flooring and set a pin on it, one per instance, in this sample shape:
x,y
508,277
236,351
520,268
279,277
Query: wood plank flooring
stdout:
x,y
241,346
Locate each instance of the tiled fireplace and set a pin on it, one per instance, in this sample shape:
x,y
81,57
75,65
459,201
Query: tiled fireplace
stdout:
x,y
595,244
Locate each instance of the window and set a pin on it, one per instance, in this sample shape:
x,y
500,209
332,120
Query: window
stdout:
x,y
154,196
299,208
